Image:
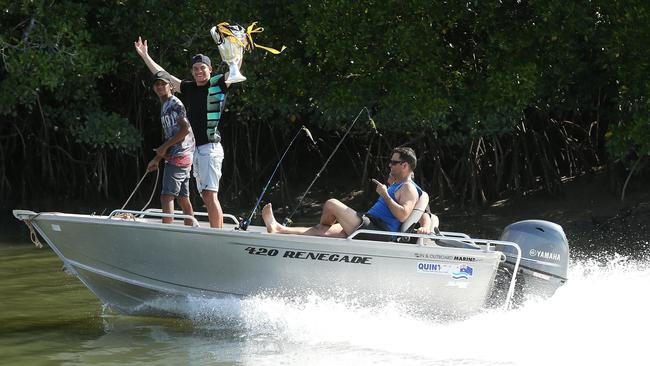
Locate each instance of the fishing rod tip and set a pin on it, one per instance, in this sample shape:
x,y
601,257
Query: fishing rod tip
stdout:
x,y
308,133
372,123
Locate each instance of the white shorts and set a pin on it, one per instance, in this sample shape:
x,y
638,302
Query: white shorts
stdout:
x,y
207,166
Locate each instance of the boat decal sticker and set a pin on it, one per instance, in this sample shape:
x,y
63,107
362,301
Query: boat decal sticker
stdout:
x,y
262,251
458,258
464,272
434,268
456,271
319,256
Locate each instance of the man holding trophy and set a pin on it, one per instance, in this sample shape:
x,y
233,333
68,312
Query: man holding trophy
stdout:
x,y
204,97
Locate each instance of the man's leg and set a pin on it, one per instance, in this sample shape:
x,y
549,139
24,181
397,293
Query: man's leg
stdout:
x,y
207,170
335,211
173,177
184,195
186,206
335,230
272,226
215,213
167,203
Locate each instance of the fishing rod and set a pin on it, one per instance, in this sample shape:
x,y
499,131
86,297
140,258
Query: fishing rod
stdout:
x,y
243,225
287,220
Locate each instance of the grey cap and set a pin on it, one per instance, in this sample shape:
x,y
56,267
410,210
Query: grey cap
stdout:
x,y
201,58
162,75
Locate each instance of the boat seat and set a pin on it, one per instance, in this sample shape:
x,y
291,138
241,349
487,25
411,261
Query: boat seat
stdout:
x,y
409,224
416,214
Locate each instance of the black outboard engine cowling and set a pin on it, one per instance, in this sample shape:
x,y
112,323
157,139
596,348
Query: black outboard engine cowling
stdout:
x,y
544,255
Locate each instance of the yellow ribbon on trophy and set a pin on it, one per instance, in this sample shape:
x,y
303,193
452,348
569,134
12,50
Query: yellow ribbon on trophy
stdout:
x,y
224,28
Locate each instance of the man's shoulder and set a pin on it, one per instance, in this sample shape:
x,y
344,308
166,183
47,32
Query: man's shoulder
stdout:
x,y
174,101
410,187
188,84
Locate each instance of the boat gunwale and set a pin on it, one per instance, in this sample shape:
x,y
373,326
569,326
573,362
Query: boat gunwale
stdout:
x,y
231,232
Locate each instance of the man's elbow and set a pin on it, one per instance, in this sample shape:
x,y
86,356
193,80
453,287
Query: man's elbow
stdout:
x,y
402,216
184,127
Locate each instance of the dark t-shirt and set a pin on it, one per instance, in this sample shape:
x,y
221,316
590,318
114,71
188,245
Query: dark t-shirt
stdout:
x,y
195,99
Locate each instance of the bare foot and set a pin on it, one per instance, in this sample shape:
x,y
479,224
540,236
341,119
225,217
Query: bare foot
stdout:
x,y
272,226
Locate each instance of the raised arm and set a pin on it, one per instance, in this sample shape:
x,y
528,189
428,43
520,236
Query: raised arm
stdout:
x,y
142,49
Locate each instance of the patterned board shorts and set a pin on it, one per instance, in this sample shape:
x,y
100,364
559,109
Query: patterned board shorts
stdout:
x,y
176,180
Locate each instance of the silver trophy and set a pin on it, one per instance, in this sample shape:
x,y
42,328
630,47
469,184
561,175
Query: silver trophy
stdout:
x,y
231,51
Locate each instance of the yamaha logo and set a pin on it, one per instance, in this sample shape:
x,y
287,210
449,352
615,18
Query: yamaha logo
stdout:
x,y
545,255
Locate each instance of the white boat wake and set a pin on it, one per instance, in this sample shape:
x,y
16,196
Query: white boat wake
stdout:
x,y
598,318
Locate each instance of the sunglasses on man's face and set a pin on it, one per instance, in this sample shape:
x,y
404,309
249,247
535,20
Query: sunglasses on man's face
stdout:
x,y
394,162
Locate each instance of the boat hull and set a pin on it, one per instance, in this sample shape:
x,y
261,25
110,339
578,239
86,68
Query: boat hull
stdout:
x,y
144,267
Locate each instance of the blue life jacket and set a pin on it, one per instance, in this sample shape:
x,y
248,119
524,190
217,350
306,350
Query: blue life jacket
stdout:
x,y
381,211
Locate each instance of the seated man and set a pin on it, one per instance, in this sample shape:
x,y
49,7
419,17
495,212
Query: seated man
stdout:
x,y
393,206
428,222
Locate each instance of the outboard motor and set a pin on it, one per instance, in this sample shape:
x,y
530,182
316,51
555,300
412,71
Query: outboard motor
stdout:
x,y
544,256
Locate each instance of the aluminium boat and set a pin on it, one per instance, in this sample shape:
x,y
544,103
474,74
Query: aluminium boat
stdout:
x,y
136,265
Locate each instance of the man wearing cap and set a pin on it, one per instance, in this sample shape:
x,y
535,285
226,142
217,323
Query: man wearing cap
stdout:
x,y
204,97
177,149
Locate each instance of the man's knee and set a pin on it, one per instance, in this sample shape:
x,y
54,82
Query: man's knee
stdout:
x,y
332,203
321,230
166,198
210,197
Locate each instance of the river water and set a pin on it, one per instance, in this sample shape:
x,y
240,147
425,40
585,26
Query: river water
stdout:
x,y
47,317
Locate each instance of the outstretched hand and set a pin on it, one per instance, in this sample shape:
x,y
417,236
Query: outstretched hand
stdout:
x,y
141,47
381,188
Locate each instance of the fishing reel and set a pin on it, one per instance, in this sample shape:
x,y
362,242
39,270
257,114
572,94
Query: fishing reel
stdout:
x,y
243,223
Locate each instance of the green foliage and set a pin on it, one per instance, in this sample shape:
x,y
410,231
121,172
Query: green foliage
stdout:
x,y
628,137
464,77
107,131
53,65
